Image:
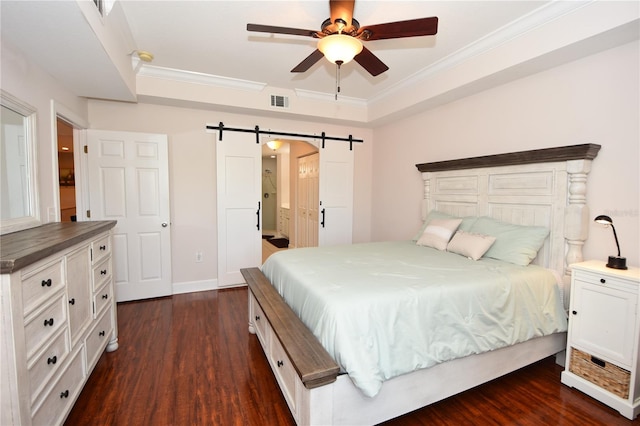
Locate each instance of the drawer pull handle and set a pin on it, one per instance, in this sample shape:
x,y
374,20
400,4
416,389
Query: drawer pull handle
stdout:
x,y
105,296
598,362
257,317
52,360
101,333
602,280
280,363
64,394
574,312
103,272
48,322
72,301
46,283
103,247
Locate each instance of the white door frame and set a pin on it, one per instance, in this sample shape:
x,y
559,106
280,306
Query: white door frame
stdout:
x,y
79,161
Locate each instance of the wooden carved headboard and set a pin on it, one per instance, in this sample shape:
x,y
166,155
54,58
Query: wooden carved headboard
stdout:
x,y
544,187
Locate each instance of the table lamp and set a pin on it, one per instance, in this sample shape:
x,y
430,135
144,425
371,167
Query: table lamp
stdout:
x,y
615,262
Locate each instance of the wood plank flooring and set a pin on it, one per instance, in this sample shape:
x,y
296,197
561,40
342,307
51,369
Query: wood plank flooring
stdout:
x,y
190,360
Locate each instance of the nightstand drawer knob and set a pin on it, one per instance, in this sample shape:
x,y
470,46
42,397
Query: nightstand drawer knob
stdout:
x,y
602,280
574,312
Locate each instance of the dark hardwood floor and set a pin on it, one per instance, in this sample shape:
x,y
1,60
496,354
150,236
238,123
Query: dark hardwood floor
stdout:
x,y
190,360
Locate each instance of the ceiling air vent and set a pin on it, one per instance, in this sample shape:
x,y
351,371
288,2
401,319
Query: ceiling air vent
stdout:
x,y
279,101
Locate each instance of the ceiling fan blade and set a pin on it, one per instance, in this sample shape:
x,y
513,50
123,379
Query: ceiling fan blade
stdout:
x,y
341,10
308,61
400,29
370,62
281,30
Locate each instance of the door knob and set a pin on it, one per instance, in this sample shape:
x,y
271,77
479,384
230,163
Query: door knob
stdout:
x,y
165,224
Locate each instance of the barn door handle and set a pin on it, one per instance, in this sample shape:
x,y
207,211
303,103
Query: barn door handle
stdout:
x,y
258,216
322,222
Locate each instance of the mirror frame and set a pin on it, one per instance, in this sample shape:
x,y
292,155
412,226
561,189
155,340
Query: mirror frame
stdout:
x,y
29,113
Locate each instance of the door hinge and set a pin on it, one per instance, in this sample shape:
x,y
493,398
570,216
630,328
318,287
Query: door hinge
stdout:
x,y
88,214
86,149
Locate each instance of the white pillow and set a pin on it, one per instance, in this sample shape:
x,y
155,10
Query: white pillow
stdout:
x,y
433,214
470,245
438,233
466,224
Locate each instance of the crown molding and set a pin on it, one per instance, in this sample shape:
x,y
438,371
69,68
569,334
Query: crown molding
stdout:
x,y
511,31
200,78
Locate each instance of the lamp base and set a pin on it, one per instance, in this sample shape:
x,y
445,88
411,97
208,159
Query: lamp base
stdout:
x,y
616,262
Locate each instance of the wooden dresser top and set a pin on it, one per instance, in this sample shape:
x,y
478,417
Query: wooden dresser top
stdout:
x,y
22,248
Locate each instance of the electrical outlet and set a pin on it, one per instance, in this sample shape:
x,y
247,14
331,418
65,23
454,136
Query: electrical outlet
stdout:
x,y
198,256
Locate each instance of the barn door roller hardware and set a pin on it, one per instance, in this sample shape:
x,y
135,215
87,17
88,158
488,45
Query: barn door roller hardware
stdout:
x,y
221,127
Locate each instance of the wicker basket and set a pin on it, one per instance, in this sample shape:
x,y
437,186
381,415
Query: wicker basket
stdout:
x,y
604,374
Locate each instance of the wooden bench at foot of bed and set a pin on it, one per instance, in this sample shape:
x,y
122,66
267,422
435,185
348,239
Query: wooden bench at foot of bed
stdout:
x,y
306,355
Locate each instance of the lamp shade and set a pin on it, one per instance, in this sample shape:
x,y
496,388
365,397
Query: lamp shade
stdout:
x,y
339,47
605,220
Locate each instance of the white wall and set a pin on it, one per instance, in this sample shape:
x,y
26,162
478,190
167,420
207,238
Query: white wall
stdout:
x,y
192,172
32,85
591,100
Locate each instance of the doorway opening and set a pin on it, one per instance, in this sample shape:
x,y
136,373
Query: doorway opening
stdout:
x,y
280,186
66,171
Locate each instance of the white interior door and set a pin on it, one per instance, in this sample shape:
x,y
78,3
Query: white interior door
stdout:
x,y
129,182
336,194
239,161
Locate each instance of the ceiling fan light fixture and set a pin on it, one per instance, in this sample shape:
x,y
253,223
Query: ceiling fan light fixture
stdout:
x,y
339,48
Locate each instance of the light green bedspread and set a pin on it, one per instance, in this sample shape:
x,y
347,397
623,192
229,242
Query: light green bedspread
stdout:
x,y
385,309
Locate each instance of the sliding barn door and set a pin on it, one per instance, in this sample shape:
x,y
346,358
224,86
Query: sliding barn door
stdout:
x,y
336,194
239,160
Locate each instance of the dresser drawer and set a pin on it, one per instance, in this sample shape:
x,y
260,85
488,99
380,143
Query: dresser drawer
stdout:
x,y
61,395
100,249
102,298
101,273
259,322
284,372
44,366
43,325
98,337
40,284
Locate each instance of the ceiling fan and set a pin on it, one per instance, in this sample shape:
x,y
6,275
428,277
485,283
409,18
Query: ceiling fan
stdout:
x,y
341,37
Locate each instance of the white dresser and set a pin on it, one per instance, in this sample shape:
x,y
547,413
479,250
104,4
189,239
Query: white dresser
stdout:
x,y
58,316
604,335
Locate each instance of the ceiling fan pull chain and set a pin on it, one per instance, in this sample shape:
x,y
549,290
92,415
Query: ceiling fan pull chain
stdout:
x,y
338,63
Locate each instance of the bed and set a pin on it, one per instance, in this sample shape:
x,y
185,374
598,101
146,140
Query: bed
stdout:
x,y
540,189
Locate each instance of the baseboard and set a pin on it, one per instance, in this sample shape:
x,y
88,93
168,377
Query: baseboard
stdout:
x,y
194,286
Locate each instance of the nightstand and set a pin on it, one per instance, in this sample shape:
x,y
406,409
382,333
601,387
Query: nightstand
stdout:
x,y
604,335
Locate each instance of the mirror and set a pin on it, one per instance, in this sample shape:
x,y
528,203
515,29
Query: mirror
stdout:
x,y
18,192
